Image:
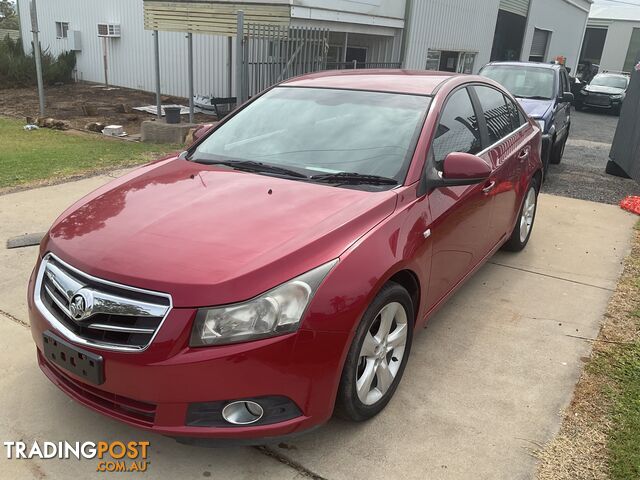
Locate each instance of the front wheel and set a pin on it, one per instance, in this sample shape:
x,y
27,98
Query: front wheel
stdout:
x,y
378,355
522,231
557,151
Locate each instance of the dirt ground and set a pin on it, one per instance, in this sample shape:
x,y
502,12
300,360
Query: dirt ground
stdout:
x,y
66,103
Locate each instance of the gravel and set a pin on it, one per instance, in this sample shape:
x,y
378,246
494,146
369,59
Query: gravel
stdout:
x,y
581,174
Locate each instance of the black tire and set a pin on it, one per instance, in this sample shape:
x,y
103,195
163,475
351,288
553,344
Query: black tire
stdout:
x,y
515,242
557,151
614,169
348,404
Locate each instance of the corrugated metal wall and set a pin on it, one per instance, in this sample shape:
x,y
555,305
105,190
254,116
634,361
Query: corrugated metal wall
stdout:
x,y
458,25
519,7
131,56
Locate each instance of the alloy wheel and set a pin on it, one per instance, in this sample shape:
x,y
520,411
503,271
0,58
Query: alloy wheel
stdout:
x,y
381,353
528,213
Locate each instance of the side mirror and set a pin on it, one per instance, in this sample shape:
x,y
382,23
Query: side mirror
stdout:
x,y
459,169
567,97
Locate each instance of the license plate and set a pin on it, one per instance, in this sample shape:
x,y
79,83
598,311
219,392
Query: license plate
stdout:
x,y
82,363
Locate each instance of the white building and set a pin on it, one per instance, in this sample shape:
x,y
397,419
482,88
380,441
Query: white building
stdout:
x,y
454,35
612,38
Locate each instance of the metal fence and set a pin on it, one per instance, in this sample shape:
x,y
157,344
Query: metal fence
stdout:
x,y
357,65
271,54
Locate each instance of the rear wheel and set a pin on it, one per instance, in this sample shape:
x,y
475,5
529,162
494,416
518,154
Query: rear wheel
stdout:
x,y
524,226
378,355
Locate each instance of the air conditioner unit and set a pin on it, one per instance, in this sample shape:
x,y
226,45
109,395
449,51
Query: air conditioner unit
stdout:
x,y
111,30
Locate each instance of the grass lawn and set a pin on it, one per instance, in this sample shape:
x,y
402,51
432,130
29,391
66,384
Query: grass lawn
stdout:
x,y
600,434
44,154
621,364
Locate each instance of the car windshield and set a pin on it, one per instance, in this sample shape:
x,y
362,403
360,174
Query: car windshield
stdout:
x,y
523,81
318,131
610,81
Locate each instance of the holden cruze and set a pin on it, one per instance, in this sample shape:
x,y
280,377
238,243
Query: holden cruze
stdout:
x,y
277,270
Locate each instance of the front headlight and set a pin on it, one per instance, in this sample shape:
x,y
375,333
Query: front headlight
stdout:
x,y
541,123
273,313
617,97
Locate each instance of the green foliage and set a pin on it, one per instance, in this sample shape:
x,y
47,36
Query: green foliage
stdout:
x,y
19,70
8,15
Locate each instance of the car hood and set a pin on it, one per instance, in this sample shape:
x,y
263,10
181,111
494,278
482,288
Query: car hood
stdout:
x,y
601,89
535,108
209,235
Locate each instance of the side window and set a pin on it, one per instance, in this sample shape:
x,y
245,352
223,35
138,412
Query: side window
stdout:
x,y
458,129
496,113
517,119
565,82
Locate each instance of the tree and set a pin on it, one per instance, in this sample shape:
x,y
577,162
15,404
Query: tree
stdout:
x,y
8,15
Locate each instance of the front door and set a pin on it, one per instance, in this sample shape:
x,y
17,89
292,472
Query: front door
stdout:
x,y
563,109
460,215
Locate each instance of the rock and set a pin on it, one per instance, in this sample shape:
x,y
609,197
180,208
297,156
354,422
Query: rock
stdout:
x,y
52,123
95,127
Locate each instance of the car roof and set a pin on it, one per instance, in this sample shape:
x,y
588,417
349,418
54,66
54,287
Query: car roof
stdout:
x,y
412,82
554,66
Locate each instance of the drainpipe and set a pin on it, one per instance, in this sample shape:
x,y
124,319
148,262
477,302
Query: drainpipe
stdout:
x,y
405,34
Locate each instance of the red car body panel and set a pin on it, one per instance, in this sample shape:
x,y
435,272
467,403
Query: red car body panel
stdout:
x,y
209,236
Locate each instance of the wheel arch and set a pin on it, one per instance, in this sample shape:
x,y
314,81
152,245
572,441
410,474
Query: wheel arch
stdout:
x,y
409,281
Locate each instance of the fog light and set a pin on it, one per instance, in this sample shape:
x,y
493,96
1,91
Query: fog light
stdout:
x,y
237,413
242,413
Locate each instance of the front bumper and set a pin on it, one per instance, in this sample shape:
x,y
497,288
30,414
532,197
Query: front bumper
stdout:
x,y
153,389
604,102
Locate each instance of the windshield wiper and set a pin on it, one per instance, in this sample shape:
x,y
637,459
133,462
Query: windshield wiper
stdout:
x,y
251,166
354,179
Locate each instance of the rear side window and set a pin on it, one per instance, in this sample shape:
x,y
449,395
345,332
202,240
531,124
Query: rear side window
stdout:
x,y
517,119
496,113
458,129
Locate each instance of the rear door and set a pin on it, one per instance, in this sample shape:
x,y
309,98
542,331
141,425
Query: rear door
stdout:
x,y
460,215
508,151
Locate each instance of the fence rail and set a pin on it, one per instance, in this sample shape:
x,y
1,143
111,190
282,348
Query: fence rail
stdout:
x,y
273,53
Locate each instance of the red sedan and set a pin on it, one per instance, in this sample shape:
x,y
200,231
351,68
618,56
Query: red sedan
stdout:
x,y
276,271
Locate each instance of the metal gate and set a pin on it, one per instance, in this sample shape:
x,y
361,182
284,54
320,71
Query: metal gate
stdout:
x,y
275,53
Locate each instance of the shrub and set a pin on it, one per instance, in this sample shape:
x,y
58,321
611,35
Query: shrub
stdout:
x,y
19,70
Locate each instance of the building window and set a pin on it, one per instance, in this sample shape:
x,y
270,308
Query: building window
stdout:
x,y
539,45
433,60
62,29
451,61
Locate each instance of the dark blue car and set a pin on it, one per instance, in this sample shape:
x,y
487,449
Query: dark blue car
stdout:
x,y
544,92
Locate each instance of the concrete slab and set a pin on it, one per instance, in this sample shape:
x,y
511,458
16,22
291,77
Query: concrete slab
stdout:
x,y
484,385
577,240
32,211
34,410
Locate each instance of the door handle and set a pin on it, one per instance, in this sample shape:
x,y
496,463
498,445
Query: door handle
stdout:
x,y
489,187
523,154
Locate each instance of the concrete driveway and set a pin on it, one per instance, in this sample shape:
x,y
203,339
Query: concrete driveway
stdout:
x,y
484,386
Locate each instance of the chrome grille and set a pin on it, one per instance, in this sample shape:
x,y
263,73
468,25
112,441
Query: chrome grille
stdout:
x,y
96,312
598,99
